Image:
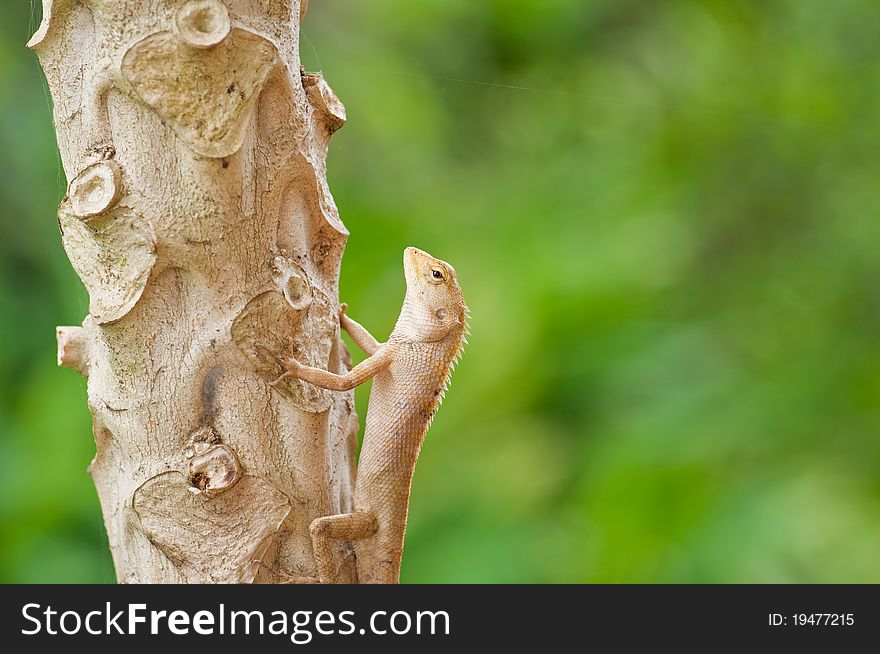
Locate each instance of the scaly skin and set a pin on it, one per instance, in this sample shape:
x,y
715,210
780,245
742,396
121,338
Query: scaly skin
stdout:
x,y
411,372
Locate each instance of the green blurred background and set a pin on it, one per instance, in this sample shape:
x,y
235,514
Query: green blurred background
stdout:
x,y
664,216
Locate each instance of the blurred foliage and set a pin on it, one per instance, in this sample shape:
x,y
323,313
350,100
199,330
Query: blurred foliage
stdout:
x,y
664,217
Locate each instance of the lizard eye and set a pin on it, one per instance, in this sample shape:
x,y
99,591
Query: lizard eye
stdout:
x,y
437,275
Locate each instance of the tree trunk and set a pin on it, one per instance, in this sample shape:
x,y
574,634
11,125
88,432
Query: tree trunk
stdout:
x,y
199,219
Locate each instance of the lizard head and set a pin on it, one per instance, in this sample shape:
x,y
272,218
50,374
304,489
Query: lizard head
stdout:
x,y
434,307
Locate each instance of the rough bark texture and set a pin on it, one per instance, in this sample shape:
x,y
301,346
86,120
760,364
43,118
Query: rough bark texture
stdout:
x,y
199,219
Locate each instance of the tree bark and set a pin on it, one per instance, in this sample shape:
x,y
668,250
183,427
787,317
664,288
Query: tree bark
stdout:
x,y
199,219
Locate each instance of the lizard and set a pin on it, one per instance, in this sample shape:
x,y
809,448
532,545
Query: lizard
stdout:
x,y
410,375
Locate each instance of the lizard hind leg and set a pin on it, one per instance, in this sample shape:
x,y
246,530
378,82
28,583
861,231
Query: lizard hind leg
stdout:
x,y
345,526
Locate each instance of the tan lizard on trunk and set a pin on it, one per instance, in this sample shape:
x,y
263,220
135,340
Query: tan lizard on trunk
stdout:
x,y
411,372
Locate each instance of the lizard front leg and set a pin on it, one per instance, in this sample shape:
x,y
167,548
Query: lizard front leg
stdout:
x,y
345,526
359,334
364,371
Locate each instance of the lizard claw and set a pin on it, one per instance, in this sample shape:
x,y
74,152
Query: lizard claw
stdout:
x,y
342,309
291,367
